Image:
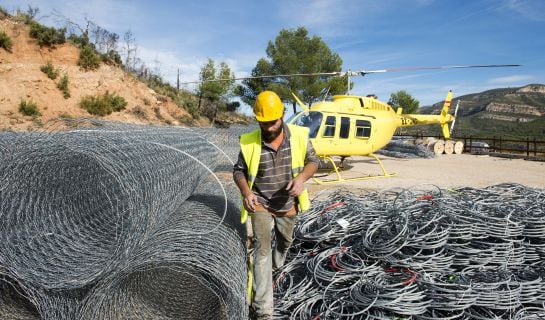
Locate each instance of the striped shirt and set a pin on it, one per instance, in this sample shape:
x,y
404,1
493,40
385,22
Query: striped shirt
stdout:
x,y
274,173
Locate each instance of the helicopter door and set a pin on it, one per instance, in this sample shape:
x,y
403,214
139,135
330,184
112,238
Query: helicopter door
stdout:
x,y
330,127
344,142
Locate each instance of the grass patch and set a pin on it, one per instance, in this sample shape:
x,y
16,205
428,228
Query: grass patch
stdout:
x,y
88,59
139,112
5,41
103,105
47,36
157,112
29,108
63,86
51,72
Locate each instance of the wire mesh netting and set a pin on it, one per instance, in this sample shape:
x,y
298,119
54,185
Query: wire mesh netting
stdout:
x,y
418,253
104,220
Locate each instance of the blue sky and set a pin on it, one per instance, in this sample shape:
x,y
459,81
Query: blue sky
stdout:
x,y
367,34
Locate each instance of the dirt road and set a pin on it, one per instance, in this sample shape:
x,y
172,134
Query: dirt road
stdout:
x,y
443,171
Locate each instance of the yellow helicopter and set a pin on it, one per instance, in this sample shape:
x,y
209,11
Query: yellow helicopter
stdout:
x,y
351,125
358,126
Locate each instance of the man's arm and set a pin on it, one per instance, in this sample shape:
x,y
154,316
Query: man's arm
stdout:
x,y
249,199
297,185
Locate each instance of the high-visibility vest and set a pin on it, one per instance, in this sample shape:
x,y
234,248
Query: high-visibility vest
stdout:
x,y
250,146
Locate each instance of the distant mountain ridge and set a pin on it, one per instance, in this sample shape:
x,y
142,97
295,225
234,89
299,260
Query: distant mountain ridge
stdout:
x,y
512,112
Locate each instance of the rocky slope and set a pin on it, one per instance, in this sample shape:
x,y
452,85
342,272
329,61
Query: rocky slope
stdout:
x,y
516,112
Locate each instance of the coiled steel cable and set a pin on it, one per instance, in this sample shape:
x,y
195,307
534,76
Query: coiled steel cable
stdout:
x,y
457,254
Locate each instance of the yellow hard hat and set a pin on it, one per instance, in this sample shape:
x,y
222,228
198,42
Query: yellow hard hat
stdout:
x,y
268,107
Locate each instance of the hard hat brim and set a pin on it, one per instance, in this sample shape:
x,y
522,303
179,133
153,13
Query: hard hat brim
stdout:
x,y
266,119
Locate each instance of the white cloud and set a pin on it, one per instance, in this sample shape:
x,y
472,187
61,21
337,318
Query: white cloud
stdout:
x,y
511,79
328,17
530,9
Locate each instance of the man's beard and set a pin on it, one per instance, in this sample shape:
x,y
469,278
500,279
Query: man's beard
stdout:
x,y
270,136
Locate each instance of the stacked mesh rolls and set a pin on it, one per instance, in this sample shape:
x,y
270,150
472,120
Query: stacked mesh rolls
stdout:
x,y
96,217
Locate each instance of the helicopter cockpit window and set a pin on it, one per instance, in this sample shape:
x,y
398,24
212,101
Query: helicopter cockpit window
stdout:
x,y
363,129
330,125
311,120
345,128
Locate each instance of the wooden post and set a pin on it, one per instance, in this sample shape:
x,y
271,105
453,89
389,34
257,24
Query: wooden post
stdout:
x,y
494,143
178,80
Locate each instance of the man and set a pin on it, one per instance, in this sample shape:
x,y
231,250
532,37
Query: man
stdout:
x,y
273,164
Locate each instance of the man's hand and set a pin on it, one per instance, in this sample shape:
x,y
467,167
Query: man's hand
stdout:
x,y
250,201
295,187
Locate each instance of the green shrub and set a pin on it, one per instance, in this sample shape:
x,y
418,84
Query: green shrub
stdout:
x,y
47,36
29,108
192,109
63,86
232,106
3,13
79,41
88,59
112,57
157,112
118,103
23,17
51,72
5,41
139,112
103,105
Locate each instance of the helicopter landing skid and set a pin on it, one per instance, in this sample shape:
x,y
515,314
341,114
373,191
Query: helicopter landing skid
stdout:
x,y
339,179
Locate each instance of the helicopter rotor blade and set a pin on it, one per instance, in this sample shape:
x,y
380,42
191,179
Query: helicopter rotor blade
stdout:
x,y
356,73
272,76
364,72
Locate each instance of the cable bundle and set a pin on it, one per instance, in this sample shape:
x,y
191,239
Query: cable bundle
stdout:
x,y
418,253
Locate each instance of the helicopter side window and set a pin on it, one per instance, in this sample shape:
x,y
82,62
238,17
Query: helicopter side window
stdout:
x,y
330,125
363,129
312,121
345,128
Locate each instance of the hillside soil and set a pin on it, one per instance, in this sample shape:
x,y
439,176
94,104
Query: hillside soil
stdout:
x,y
22,79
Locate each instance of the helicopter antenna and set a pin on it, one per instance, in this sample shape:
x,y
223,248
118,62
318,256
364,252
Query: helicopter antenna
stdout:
x,y
326,93
348,74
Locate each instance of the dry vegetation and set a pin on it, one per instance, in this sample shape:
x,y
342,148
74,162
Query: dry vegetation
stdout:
x,y
53,79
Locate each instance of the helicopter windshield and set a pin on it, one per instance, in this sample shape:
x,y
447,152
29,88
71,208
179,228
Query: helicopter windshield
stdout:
x,y
311,120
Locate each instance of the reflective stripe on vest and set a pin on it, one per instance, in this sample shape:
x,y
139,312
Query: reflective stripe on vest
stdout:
x,y
250,146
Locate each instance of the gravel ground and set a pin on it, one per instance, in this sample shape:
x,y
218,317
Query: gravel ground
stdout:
x,y
444,171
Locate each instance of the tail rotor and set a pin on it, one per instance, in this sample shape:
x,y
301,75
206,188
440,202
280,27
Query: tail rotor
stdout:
x,y
455,113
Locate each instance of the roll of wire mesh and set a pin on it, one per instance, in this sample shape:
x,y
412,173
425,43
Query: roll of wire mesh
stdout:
x,y
105,220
